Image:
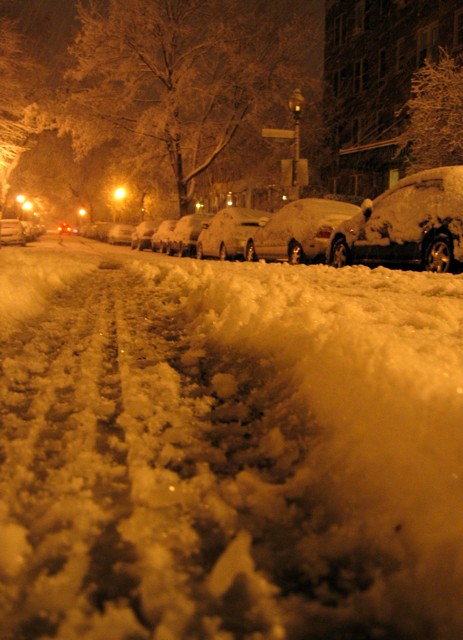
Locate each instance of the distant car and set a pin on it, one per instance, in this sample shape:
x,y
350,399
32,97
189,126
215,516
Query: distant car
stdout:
x,y
299,232
120,234
141,236
160,237
226,234
65,228
417,223
12,232
182,239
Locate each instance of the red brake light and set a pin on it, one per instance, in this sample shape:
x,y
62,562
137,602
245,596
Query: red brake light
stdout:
x,y
324,232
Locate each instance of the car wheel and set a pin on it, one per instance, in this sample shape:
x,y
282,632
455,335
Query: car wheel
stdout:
x,y
223,255
250,253
339,254
295,253
438,255
181,250
169,249
199,251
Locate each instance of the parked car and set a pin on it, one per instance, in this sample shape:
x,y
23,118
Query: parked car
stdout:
x,y
182,239
226,234
417,223
120,234
160,237
299,232
141,236
31,230
12,232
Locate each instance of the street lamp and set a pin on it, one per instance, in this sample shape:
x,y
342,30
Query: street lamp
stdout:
x,y
296,104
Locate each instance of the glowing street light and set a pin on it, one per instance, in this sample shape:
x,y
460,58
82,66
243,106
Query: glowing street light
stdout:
x,y
120,193
27,206
20,198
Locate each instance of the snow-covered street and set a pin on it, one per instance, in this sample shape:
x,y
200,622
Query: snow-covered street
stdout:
x,y
216,451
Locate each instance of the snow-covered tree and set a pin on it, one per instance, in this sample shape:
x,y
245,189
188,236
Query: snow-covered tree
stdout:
x,y
435,131
15,74
173,80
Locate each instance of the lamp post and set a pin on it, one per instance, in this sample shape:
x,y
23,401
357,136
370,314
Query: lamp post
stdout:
x,y
296,104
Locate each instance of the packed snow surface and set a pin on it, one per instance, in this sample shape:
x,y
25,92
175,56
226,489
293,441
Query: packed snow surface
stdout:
x,y
278,453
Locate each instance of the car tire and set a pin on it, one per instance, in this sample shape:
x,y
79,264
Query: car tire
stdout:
x,y
199,251
339,254
169,251
295,253
223,254
250,253
438,255
181,250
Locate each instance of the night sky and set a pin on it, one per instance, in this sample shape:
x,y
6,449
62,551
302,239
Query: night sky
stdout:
x,y
49,24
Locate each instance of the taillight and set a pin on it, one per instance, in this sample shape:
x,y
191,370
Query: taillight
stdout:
x,y
324,232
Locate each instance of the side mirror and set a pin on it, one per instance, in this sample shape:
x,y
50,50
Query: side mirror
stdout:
x,y
366,207
204,225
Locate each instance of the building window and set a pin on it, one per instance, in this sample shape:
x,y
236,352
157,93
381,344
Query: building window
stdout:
x,y
427,43
384,7
393,177
359,16
339,31
382,63
458,29
339,82
355,130
400,54
360,75
355,184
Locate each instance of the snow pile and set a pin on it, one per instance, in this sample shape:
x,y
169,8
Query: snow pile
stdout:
x,y
28,279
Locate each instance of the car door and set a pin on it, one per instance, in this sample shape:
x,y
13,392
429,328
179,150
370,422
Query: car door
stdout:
x,y
385,235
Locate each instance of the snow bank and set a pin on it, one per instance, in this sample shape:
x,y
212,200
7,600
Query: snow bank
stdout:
x,y
375,358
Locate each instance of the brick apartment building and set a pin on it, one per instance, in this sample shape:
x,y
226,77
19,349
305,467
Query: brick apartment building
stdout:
x,y
372,50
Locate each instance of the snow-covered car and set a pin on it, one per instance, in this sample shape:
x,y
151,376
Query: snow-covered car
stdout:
x,y
12,232
182,239
417,223
226,234
31,230
141,236
160,236
120,234
299,232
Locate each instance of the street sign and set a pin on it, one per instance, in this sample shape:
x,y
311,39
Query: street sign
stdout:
x,y
282,134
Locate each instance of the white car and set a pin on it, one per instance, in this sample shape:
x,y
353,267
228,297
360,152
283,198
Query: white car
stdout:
x,y
182,239
299,232
226,234
141,236
12,232
160,236
417,223
120,234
